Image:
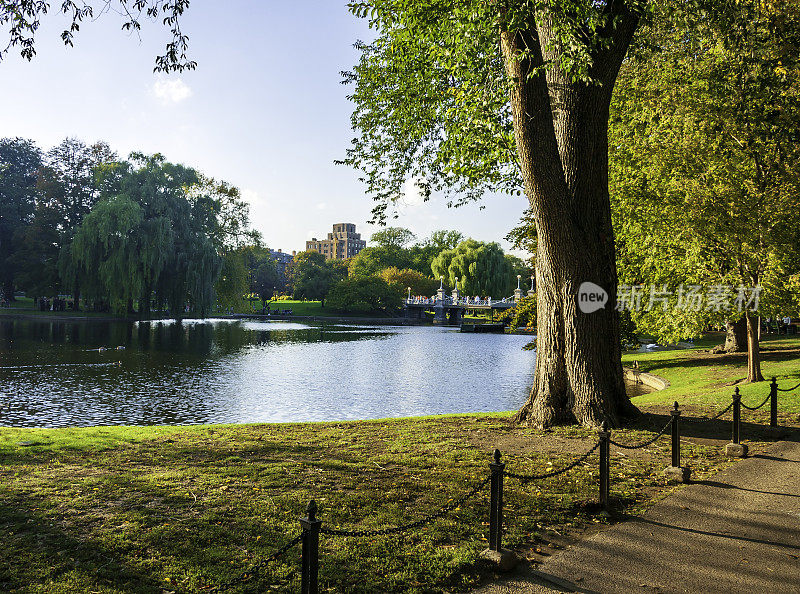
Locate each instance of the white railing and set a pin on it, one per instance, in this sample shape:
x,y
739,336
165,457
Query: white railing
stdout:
x,y
462,301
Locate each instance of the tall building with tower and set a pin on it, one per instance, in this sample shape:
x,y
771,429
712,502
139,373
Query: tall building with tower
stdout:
x,y
341,244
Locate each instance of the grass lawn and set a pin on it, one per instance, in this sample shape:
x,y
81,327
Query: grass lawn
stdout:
x,y
699,378
24,305
185,508
310,308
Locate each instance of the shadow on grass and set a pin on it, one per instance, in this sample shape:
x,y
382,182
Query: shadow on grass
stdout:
x,y
40,552
768,355
707,428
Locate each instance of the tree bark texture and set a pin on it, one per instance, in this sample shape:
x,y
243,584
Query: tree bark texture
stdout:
x,y
735,336
561,132
753,353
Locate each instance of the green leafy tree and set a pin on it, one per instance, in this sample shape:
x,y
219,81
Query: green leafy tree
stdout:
x,y
23,17
413,279
172,252
20,161
369,294
370,261
507,96
68,185
106,248
705,163
481,269
522,315
424,252
38,253
311,276
234,279
396,238
265,279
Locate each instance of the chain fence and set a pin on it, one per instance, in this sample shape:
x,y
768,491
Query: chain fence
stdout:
x,y
536,477
788,389
644,444
759,406
312,527
720,413
444,510
249,574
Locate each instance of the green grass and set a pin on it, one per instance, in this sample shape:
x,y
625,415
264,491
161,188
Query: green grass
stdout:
x,y
699,378
308,308
24,305
113,509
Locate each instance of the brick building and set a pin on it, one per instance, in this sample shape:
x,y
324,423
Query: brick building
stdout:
x,y
343,243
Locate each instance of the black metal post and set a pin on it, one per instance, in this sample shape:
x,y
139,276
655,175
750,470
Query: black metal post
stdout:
x,y
496,504
773,403
676,436
737,412
310,563
605,472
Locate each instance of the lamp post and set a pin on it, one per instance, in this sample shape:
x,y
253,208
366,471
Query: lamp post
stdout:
x,y
518,290
409,293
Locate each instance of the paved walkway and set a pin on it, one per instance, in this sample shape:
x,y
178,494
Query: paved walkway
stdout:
x,y
738,532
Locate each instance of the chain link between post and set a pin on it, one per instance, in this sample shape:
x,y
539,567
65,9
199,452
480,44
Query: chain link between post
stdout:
x,y
720,413
759,406
249,574
788,389
534,477
417,524
626,446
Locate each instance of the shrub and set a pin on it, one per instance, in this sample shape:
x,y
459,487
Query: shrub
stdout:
x,y
522,315
367,294
419,283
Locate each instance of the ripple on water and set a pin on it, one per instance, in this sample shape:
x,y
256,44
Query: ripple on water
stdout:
x,y
234,372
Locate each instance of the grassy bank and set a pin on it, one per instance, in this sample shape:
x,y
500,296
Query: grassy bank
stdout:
x,y
699,378
186,508
24,306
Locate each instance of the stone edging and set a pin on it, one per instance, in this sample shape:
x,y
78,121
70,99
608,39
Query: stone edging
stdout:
x,y
648,379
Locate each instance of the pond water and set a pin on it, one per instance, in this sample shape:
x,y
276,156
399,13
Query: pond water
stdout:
x,y
57,374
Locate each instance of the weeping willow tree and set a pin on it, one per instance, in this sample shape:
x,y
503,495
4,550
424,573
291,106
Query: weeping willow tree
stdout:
x,y
481,269
152,235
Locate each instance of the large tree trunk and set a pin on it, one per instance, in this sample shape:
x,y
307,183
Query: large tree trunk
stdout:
x,y
561,133
753,354
735,336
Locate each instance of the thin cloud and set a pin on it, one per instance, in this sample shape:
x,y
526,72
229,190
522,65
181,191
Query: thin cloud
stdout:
x,y
171,91
412,194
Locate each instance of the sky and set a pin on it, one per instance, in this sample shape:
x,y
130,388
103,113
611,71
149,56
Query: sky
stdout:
x,y
265,110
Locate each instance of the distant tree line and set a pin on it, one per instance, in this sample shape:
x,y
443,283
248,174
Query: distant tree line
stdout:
x,y
121,235
80,226
380,276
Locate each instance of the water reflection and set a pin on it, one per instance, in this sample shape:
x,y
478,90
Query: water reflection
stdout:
x,y
58,373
